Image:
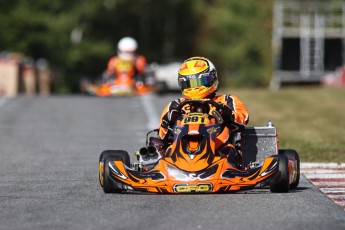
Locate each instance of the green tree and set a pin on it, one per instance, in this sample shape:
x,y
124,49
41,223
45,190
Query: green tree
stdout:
x,y
237,36
79,36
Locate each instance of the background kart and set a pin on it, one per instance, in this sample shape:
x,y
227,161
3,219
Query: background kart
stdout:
x,y
126,83
191,164
122,86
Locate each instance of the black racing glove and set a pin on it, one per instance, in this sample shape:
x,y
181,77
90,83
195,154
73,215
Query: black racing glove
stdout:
x,y
170,118
173,116
227,114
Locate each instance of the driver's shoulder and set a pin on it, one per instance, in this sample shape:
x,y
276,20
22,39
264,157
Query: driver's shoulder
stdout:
x,y
179,100
223,98
173,104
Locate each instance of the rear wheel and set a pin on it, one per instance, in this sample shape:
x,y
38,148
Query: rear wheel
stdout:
x,y
104,174
293,156
281,184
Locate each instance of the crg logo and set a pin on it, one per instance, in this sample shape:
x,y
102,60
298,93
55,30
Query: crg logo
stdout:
x,y
186,188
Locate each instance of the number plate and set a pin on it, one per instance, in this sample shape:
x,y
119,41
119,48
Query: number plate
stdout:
x,y
195,118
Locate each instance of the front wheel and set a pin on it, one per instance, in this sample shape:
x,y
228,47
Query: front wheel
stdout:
x,y
104,175
124,156
280,183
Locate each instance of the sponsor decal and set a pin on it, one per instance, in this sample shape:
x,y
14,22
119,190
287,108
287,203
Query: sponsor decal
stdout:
x,y
177,131
187,188
212,130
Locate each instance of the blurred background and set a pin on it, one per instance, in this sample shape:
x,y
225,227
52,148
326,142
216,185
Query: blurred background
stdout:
x,y
51,47
253,43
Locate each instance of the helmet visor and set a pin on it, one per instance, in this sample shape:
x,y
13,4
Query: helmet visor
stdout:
x,y
195,81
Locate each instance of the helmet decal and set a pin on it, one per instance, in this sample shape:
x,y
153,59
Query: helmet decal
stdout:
x,y
193,67
200,64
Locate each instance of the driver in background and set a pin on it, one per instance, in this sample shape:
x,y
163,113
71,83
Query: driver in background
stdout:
x,y
197,78
126,61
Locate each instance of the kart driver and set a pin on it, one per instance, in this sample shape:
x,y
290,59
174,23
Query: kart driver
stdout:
x,y
126,61
197,78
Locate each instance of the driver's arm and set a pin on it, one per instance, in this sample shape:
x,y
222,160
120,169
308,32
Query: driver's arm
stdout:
x,y
140,64
168,117
239,109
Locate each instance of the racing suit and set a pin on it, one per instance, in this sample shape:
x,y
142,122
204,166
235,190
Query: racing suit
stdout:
x,y
238,113
133,67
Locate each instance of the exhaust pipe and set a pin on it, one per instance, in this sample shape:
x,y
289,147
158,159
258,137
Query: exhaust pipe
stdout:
x,y
152,150
148,151
143,151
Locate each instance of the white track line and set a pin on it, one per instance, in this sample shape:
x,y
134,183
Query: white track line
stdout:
x,y
150,112
333,190
309,165
340,203
323,171
324,176
326,184
337,196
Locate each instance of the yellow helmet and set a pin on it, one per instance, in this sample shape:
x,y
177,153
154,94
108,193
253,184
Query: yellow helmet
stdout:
x,y
197,78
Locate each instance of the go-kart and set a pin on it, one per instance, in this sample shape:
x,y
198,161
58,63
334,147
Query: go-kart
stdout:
x,y
125,83
117,87
192,164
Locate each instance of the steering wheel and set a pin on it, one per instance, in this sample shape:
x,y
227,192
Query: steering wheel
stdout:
x,y
204,107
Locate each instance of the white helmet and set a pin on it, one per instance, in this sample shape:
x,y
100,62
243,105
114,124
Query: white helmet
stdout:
x,y
127,47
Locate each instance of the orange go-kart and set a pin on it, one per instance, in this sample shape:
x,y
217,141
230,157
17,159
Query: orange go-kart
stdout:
x,y
124,84
191,163
121,86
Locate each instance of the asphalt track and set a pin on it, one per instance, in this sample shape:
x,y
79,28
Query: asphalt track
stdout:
x,y
49,149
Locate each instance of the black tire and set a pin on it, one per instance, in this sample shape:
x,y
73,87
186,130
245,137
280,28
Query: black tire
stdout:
x,y
281,184
106,157
119,153
292,154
